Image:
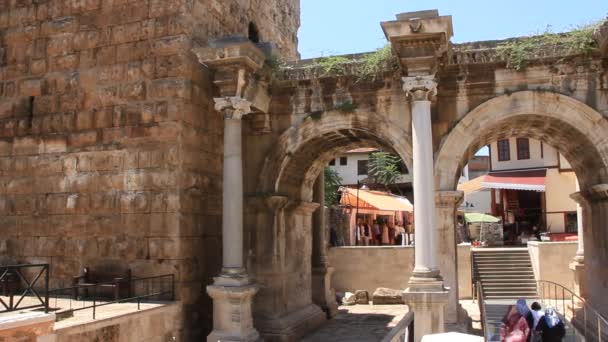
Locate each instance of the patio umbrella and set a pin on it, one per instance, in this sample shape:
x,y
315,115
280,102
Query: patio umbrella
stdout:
x,y
480,218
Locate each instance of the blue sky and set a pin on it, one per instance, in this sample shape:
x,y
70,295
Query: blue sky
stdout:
x,y
333,27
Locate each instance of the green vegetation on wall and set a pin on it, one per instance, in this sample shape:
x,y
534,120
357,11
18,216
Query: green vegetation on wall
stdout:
x,y
518,52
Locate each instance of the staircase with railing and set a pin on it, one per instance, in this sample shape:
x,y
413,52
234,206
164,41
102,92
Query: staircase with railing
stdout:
x,y
583,322
586,321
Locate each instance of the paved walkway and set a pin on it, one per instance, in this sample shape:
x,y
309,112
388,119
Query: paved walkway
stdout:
x,y
359,323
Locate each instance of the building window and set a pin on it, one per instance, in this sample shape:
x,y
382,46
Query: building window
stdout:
x,y
362,167
523,148
343,161
332,162
571,222
503,150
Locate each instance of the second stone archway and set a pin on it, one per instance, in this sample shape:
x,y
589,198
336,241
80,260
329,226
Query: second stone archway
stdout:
x,y
573,128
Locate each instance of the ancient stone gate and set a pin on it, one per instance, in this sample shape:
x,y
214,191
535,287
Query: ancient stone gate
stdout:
x,y
115,117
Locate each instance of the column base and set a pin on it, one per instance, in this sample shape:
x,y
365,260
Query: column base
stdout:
x,y
322,292
428,308
292,326
232,319
580,279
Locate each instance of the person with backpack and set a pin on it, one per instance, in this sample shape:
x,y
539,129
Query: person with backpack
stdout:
x,y
551,327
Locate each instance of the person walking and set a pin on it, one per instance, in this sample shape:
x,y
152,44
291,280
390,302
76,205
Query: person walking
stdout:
x,y
514,327
551,327
377,232
534,317
385,240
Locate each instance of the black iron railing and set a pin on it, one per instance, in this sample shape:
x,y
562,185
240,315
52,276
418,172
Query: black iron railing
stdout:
x,y
18,282
147,289
587,321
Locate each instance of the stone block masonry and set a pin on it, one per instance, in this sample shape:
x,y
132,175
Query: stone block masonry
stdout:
x,y
110,150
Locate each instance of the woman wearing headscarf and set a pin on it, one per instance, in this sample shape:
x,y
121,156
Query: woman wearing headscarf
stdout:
x,y
551,326
515,327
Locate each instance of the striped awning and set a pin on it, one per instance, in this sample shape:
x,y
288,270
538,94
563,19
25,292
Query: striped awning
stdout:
x,y
529,180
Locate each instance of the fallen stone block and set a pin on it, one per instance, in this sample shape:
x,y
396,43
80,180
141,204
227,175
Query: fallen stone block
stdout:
x,y
383,296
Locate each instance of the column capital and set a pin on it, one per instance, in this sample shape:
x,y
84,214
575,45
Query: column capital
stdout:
x,y
232,107
302,207
596,193
420,88
448,199
599,192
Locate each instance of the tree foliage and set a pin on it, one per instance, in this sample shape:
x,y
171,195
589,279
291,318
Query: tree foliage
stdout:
x,y
333,181
383,167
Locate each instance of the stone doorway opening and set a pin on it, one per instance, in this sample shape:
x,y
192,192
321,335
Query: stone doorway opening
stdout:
x,y
288,247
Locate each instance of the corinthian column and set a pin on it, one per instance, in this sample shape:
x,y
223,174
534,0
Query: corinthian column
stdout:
x,y
420,89
232,291
426,294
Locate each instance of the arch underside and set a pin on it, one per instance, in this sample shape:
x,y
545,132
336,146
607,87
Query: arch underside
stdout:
x,y
303,151
575,130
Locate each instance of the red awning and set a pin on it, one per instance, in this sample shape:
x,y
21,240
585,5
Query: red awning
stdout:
x,y
530,180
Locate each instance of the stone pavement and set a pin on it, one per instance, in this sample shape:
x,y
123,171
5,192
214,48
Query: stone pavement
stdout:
x,y
359,323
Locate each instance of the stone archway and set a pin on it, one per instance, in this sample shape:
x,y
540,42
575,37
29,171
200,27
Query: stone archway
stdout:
x,y
576,130
279,219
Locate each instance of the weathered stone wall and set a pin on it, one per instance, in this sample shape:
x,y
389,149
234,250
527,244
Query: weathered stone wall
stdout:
x,y
551,261
110,150
368,268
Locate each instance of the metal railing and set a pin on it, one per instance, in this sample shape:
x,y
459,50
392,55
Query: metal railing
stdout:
x,y
140,289
587,321
488,330
402,332
17,281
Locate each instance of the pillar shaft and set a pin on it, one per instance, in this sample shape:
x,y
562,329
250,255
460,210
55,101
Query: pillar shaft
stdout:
x,y
424,194
580,252
232,200
319,229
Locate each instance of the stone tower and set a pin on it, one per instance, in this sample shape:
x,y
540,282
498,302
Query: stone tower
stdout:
x,y
110,149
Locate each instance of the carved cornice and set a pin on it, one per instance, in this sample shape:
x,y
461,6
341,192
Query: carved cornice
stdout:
x,y
238,68
232,107
420,88
448,199
420,40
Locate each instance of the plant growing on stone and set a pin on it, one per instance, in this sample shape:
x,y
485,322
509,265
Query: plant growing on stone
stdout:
x,y
372,64
334,65
518,52
333,182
